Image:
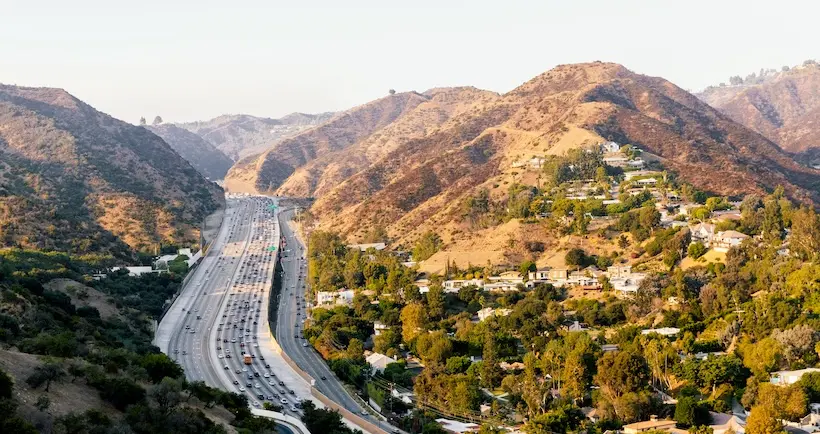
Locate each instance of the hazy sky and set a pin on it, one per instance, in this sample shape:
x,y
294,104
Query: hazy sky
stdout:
x,y
195,59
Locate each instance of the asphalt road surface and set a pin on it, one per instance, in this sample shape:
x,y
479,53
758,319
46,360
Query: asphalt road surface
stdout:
x,y
224,310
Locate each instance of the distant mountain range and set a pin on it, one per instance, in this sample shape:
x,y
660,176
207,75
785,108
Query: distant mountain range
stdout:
x,y
238,136
77,180
784,105
208,160
406,161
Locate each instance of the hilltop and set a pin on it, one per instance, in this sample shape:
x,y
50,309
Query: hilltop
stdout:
x,y
205,158
77,180
409,180
267,171
238,136
784,106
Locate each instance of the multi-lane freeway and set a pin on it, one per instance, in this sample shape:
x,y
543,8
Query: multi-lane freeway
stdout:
x,y
221,314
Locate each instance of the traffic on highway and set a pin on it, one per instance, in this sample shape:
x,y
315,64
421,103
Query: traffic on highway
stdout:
x,y
225,312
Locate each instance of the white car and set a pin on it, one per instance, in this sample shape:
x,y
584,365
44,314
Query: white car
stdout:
x,y
293,409
283,401
271,383
241,389
221,356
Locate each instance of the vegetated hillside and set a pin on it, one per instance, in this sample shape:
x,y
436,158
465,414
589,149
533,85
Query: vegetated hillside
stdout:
x,y
77,180
329,169
238,136
76,354
785,107
205,158
267,171
422,184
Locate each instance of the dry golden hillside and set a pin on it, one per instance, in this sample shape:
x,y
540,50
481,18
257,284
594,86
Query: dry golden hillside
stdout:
x,y
77,180
784,108
269,170
421,184
413,174
325,172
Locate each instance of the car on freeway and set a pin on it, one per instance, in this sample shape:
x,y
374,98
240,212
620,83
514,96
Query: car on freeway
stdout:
x,y
283,401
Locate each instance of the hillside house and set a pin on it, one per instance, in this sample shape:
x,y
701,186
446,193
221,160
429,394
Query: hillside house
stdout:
x,y
558,274
379,327
510,276
423,285
617,160
456,427
723,241
576,326
539,274
647,181
723,423
365,247
618,271
653,424
787,378
502,286
608,147
663,331
452,286
636,163
703,232
136,271
489,312
378,362
344,297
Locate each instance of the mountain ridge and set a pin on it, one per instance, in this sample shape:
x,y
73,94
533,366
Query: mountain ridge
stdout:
x,y
420,183
241,135
784,107
205,157
75,179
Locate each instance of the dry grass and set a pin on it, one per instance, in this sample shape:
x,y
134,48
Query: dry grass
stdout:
x,y
711,256
65,397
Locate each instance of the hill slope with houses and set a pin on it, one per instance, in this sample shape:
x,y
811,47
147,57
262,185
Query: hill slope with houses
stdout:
x,y
384,172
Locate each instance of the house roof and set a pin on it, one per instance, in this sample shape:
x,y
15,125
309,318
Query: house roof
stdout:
x,y
457,427
733,234
378,360
649,424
